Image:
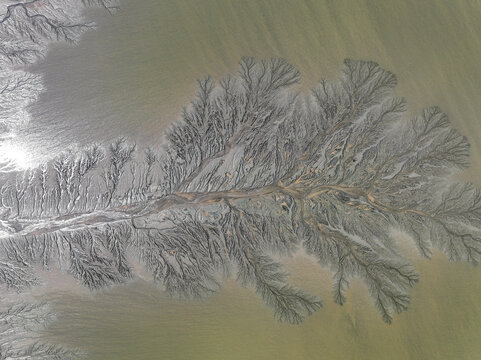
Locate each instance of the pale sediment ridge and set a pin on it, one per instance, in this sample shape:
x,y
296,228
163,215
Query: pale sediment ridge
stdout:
x,y
250,174
27,28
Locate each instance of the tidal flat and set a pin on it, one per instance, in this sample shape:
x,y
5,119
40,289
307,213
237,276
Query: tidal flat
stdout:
x,y
136,89
441,322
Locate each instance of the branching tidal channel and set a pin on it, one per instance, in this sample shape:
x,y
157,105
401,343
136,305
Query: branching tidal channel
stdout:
x,y
252,172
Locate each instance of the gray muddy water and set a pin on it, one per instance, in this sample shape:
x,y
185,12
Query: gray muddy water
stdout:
x,y
134,73
131,77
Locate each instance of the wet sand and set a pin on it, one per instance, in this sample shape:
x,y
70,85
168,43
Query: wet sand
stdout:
x,y
132,76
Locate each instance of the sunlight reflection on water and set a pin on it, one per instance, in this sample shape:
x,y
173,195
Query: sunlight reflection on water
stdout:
x,y
131,79
14,156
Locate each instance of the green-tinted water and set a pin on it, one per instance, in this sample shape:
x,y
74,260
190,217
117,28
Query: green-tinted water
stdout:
x,y
138,322
139,68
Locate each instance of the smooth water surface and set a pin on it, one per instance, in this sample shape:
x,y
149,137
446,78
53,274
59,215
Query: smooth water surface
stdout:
x,y
139,322
132,76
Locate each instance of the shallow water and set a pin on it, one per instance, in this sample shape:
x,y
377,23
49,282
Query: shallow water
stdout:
x,y
139,322
134,73
132,76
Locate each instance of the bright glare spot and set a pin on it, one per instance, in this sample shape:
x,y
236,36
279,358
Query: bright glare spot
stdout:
x,y
15,155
